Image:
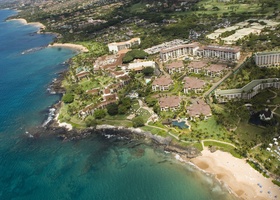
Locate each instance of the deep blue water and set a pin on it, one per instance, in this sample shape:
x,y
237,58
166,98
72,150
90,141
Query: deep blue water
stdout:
x,y
92,168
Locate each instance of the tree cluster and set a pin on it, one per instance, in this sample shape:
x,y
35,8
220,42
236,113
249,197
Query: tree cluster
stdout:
x,y
134,54
120,108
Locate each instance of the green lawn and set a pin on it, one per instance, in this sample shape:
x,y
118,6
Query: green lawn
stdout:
x,y
115,122
209,128
144,113
223,147
263,96
247,132
155,131
138,8
277,111
215,7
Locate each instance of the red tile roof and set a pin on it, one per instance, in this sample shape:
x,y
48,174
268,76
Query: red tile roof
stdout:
x,y
169,101
163,81
176,64
197,64
216,67
92,91
199,107
82,74
193,83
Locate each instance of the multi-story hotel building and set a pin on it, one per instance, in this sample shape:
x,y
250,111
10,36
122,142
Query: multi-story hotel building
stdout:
x,y
193,49
178,51
267,59
248,91
220,52
117,46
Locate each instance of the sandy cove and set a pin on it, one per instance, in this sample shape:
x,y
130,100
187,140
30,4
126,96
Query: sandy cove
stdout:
x,y
23,21
244,181
77,47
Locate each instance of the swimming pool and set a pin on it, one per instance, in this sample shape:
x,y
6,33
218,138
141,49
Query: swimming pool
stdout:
x,y
181,124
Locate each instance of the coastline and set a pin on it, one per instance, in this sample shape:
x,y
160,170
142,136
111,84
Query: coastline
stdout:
x,y
42,27
235,174
77,47
37,24
239,177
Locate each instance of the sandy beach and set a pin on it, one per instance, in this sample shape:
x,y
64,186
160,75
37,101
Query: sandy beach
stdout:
x,y
37,24
77,47
240,177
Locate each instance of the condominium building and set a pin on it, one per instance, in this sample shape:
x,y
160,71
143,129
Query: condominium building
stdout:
x,y
178,51
220,52
197,67
248,91
215,70
193,84
118,46
169,103
162,83
199,108
177,66
267,59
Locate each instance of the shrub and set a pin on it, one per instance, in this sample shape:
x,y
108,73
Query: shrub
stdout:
x,y
68,98
138,122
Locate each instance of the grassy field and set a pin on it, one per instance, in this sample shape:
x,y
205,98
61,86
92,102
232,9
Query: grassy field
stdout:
x,y
116,122
155,131
223,147
215,7
247,132
209,128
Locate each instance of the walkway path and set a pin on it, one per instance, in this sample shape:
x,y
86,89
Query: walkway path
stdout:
x,y
218,141
184,141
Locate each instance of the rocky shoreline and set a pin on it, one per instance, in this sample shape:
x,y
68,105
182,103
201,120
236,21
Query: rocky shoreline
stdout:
x,y
120,133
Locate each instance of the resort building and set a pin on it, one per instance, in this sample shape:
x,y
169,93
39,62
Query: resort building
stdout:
x,y
139,66
94,91
215,70
194,49
158,48
82,74
115,47
117,74
220,52
248,91
197,67
109,97
199,108
177,66
178,51
169,103
193,84
267,59
124,80
162,83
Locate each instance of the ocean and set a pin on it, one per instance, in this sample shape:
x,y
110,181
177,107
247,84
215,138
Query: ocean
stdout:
x,y
96,168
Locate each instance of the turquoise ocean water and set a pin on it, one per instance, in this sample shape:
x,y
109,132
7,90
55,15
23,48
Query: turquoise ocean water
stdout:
x,y
93,168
